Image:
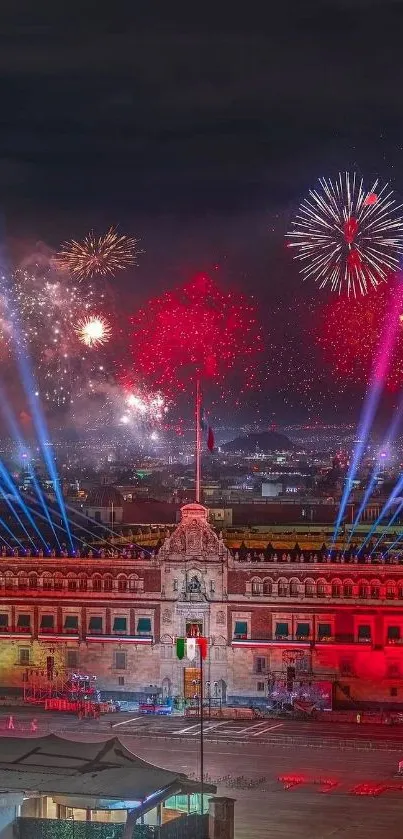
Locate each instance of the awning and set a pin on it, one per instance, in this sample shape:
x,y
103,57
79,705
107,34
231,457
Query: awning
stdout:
x,y
24,620
393,633
47,622
95,623
303,630
324,630
282,629
241,628
120,625
144,625
71,622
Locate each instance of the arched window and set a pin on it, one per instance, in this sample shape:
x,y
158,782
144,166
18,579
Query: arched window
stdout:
x,y
375,590
294,588
83,582
336,589
108,583
72,583
96,584
256,587
321,588
33,581
309,588
122,583
267,588
58,582
282,588
363,591
390,590
348,589
47,582
133,583
23,581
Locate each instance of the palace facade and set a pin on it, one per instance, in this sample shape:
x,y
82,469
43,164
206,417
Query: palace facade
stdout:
x,y
276,628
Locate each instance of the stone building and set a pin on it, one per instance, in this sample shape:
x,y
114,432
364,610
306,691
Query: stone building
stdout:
x,y
277,629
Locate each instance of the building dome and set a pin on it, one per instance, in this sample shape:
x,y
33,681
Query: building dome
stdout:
x,y
104,496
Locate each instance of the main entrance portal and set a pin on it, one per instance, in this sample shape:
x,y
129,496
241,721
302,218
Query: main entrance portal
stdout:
x,y
191,682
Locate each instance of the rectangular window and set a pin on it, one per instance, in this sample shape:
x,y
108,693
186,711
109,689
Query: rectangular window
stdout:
x,y
23,655
24,623
194,629
47,622
260,664
241,629
281,630
260,687
393,633
144,626
120,624
120,660
3,623
364,632
303,630
71,623
95,625
324,631
72,659
121,681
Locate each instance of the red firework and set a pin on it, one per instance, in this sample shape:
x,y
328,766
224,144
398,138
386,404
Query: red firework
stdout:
x,y
197,329
350,333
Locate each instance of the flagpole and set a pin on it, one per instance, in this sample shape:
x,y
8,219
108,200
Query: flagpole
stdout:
x,y
198,439
201,733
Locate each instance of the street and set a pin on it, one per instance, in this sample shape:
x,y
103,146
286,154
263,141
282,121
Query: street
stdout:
x,y
321,793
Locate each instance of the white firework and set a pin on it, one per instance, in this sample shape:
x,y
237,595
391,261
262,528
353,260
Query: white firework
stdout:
x,y
346,236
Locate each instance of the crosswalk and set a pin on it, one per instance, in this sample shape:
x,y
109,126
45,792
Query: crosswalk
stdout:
x,y
228,729
182,727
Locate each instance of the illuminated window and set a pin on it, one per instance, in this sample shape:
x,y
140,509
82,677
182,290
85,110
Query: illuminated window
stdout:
x,y
324,631
282,630
364,632
303,630
393,633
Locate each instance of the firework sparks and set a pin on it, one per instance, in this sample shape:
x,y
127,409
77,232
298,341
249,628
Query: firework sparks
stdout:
x,y
196,329
47,309
350,333
98,255
346,236
93,331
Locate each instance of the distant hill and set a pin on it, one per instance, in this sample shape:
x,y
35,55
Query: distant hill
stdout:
x,y
266,441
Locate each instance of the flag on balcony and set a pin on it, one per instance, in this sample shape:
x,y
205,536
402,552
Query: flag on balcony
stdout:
x,y
191,648
180,648
202,643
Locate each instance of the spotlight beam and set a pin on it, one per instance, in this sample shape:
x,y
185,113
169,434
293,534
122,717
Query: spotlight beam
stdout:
x,y
11,421
396,492
371,402
390,437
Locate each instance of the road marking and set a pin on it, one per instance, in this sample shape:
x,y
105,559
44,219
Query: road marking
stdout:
x,y
258,733
126,722
251,727
210,728
189,728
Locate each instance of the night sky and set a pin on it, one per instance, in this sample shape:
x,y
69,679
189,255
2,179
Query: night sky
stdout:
x,y
201,137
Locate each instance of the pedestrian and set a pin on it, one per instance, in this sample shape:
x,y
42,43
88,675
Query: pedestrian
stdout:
x,y
34,726
10,725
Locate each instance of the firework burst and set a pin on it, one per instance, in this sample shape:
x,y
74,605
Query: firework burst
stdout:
x,y
196,330
98,255
346,236
93,331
